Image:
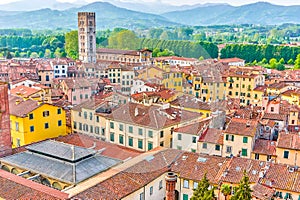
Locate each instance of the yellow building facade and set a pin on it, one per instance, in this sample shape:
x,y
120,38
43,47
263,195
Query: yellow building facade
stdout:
x,y
33,122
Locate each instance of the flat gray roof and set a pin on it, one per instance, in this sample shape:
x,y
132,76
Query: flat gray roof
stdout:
x,y
73,166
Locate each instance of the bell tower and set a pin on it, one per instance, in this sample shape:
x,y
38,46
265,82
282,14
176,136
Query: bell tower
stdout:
x,y
87,36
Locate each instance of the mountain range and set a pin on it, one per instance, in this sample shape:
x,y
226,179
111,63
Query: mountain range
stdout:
x,y
50,14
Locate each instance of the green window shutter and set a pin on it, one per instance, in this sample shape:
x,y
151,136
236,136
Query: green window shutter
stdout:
x,y
227,136
245,139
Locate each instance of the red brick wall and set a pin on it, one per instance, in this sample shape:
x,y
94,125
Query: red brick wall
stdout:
x,y
5,137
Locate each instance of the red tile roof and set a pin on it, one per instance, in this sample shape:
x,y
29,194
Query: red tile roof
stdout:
x,y
151,116
239,126
132,178
262,192
16,187
212,135
109,150
265,147
193,129
24,91
23,108
288,141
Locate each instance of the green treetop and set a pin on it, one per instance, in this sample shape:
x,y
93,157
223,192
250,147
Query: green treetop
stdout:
x,y
243,191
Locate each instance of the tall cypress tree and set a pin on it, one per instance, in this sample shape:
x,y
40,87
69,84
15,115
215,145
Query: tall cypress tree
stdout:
x,y
243,191
202,192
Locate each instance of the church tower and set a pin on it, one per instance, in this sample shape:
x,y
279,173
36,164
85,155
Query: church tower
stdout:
x,y
5,137
87,37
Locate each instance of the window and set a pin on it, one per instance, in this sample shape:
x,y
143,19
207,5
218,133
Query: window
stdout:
x,y
59,111
74,125
269,157
97,119
245,139
85,115
142,196
97,130
91,129
112,137
229,137
91,116
121,127
244,152
31,128
272,109
130,141
293,121
286,154
195,184
151,190
150,134
112,126
81,96
161,134
59,123
160,186
161,144
46,113
140,131
86,96
186,183
74,98
121,139
46,125
217,147
18,142
179,136
31,116
194,140
204,145
228,149
80,126
150,146
256,156
185,197
179,147
130,129
140,144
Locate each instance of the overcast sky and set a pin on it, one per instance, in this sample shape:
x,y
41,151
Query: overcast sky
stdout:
x,y
180,2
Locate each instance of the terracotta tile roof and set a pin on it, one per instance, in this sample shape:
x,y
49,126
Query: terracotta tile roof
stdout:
x,y
212,135
151,116
262,192
76,82
279,177
166,94
288,141
193,166
229,60
22,108
274,116
142,95
16,187
193,129
90,104
236,167
260,88
24,91
239,126
278,86
109,150
117,51
265,147
132,178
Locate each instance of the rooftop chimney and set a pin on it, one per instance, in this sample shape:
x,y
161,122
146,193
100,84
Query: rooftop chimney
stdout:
x,y
171,180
